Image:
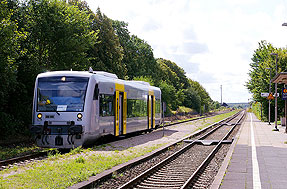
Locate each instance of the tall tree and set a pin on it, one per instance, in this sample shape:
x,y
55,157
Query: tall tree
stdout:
x,y
57,37
138,54
59,34
173,74
192,99
205,99
144,61
107,54
9,52
262,66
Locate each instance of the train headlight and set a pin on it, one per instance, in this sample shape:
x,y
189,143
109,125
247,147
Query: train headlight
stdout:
x,y
79,116
39,116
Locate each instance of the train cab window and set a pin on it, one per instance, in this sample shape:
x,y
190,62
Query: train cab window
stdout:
x,y
61,94
106,105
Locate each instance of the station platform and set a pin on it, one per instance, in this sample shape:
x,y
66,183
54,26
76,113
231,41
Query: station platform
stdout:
x,y
257,158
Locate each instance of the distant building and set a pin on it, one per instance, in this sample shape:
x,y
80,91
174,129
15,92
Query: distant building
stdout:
x,y
224,104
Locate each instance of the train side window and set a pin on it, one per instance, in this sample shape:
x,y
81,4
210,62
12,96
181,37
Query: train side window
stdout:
x,y
157,106
136,108
106,105
96,92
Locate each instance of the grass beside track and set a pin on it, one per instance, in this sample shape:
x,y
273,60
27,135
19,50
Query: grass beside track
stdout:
x,y
9,152
62,171
219,117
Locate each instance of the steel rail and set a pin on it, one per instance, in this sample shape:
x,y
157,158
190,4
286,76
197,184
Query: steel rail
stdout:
x,y
188,120
39,154
210,156
22,158
108,173
153,169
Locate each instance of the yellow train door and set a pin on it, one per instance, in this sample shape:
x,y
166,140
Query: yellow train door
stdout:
x,y
120,113
151,111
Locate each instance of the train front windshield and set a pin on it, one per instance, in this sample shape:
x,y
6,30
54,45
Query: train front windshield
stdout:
x,y
61,94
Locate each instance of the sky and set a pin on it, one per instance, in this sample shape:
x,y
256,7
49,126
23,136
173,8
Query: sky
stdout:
x,y
213,41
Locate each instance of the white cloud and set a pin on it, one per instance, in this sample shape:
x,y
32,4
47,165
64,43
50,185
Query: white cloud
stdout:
x,y
212,40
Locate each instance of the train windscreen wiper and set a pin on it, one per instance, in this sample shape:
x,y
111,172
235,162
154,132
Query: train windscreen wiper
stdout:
x,y
48,102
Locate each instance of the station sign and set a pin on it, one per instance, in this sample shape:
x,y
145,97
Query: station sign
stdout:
x,y
271,96
284,94
264,94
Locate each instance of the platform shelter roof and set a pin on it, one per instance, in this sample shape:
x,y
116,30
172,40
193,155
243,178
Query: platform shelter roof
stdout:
x,y
280,78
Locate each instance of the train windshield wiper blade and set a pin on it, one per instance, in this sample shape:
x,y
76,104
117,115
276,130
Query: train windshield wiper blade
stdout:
x,y
52,107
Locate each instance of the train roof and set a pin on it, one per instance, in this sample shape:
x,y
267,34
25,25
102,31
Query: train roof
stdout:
x,y
102,77
65,73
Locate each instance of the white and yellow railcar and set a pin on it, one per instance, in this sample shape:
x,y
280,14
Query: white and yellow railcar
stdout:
x,y
74,108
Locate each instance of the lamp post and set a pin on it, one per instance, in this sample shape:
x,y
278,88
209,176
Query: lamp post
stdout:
x,y
221,94
269,93
276,129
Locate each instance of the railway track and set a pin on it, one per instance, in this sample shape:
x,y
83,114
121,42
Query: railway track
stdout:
x,y
143,168
182,169
5,164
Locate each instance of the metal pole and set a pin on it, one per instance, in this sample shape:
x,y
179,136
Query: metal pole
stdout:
x,y
269,99
221,93
261,111
276,129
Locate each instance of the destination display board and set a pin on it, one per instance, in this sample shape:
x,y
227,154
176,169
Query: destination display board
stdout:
x,y
284,94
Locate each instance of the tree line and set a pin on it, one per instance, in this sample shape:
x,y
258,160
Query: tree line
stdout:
x,y
47,35
263,69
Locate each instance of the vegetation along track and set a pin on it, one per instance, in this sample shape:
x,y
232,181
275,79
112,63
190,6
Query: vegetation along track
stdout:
x,y
21,160
5,164
140,170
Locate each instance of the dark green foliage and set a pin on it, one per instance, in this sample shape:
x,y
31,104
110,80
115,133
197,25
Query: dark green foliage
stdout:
x,y
168,94
9,52
107,55
59,35
138,54
205,99
192,99
179,90
173,74
37,36
215,105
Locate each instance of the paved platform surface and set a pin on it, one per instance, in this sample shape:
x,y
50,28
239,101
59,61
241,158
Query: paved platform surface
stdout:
x,y
259,157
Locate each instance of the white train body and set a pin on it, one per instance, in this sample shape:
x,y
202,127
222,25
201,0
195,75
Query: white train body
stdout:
x,y
73,108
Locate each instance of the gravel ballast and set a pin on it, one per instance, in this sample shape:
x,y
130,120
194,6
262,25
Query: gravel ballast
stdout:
x,y
122,177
